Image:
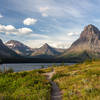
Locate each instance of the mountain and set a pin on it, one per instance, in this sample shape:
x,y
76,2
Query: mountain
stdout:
x,y
24,50
19,47
46,51
5,52
87,46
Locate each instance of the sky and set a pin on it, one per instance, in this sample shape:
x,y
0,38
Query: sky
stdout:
x,y
56,22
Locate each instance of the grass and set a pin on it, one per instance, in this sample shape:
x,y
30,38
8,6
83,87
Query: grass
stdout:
x,y
31,85
79,81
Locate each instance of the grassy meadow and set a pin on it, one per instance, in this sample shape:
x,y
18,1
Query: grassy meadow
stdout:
x,y
80,81
76,82
31,85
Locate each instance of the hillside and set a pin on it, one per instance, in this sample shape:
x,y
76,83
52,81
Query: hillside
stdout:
x,y
46,51
79,81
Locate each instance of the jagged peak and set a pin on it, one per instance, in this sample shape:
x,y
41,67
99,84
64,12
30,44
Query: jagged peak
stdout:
x,y
91,27
13,41
46,45
90,32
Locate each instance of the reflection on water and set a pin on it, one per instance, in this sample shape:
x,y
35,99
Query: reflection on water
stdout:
x,y
29,66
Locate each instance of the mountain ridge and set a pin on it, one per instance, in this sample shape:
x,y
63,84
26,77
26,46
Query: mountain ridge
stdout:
x,y
87,46
19,47
22,49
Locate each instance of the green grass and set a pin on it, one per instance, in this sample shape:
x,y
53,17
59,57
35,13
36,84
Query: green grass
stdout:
x,y
80,81
77,82
30,85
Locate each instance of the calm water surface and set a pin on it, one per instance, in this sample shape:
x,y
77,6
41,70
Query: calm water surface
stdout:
x,y
29,66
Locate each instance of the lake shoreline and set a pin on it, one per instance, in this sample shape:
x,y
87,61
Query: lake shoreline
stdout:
x,y
31,66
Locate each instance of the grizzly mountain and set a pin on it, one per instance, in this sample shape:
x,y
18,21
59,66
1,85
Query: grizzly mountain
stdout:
x,y
87,46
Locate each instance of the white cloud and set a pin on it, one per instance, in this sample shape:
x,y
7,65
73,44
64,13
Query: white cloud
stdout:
x,y
1,16
9,29
29,21
25,30
72,34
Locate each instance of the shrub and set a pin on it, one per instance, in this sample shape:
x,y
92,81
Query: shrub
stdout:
x,y
10,70
30,85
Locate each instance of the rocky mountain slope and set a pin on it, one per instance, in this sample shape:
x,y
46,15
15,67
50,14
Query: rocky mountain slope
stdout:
x,y
5,52
43,51
19,47
88,44
46,51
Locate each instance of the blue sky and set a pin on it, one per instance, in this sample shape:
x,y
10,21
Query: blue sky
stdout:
x,y
56,22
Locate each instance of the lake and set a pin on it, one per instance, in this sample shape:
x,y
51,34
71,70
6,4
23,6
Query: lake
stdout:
x,y
29,66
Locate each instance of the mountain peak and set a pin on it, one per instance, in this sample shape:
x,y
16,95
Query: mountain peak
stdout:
x,y
87,44
89,40
19,47
90,27
45,51
13,42
45,45
90,32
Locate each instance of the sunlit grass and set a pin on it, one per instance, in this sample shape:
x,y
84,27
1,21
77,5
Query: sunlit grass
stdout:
x,y
80,81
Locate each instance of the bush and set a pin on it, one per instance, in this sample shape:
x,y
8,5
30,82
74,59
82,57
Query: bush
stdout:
x,y
30,85
10,70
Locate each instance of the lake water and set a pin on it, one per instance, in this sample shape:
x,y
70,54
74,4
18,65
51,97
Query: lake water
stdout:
x,y
29,66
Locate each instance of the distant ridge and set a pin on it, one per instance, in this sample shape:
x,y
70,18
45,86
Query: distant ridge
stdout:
x,y
42,52
19,47
46,51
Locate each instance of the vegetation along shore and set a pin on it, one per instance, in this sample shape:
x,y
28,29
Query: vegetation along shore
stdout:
x,y
74,82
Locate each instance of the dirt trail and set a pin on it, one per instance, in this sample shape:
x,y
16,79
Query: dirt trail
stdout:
x,y
55,94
